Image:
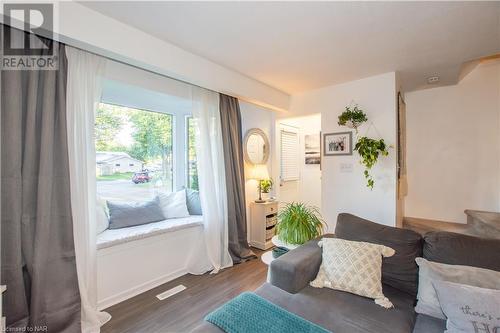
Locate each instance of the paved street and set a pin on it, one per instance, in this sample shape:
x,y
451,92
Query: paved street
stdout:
x,y
126,190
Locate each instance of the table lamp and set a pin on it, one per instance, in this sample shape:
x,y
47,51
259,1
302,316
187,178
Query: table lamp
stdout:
x,y
259,172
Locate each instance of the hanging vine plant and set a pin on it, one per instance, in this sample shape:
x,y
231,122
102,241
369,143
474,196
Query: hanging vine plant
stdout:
x,y
352,117
369,150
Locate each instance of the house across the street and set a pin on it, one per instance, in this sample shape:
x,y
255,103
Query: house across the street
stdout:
x,y
108,163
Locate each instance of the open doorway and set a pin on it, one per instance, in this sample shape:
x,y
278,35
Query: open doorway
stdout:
x,y
299,159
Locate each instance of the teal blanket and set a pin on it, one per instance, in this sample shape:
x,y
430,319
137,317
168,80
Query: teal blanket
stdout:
x,y
249,313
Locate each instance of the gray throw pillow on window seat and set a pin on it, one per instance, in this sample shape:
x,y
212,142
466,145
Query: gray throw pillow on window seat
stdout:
x,y
193,202
123,215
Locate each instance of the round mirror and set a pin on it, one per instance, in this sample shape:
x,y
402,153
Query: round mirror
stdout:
x,y
256,146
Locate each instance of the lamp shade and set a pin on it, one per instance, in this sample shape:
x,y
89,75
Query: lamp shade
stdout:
x,y
259,172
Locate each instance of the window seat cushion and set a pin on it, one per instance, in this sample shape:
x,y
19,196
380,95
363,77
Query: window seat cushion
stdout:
x,y
113,237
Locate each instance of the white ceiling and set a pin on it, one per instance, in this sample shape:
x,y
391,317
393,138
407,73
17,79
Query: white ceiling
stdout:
x,y
298,46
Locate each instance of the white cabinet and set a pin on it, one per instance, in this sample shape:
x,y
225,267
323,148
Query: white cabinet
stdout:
x,y
263,220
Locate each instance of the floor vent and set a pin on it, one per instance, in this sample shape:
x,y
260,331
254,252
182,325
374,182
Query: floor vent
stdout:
x,y
170,292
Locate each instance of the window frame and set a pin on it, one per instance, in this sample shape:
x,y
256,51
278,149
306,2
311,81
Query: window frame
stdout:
x,y
187,118
173,135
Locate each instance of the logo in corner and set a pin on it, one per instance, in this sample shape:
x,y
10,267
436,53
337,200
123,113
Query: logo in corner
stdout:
x,y
24,48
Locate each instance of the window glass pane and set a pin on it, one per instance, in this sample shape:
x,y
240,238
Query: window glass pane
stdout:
x,y
192,170
134,159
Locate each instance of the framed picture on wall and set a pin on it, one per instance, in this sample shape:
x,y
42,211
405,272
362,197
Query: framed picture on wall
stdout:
x,y
312,148
336,144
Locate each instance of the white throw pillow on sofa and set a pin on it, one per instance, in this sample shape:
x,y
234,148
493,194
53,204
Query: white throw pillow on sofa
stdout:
x,y
355,267
174,204
102,217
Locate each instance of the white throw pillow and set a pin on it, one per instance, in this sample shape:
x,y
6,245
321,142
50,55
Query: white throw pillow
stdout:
x,y
355,267
429,272
102,217
174,204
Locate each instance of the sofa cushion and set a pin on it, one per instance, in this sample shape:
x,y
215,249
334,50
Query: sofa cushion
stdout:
x,y
101,214
342,312
468,308
399,271
431,272
457,249
428,324
173,205
193,202
124,215
112,237
354,267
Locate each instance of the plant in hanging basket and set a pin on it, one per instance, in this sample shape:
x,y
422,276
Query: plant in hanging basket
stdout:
x,y
352,117
369,150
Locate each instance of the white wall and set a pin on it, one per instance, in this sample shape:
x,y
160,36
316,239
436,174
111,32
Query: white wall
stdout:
x,y
308,188
347,192
253,116
79,26
453,143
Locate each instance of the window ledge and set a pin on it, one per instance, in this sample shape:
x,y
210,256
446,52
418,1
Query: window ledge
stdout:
x,y
112,237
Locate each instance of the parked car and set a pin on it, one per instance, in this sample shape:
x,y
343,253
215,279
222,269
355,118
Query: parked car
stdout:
x,y
141,177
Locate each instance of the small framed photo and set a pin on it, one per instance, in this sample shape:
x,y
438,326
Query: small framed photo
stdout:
x,y
312,149
335,144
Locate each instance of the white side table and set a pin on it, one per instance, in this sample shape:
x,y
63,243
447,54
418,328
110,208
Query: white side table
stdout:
x,y
267,258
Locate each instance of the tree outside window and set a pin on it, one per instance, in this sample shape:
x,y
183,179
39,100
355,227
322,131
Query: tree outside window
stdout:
x,y
134,152
192,169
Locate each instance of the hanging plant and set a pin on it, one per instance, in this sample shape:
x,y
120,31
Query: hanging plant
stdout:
x,y
352,117
369,150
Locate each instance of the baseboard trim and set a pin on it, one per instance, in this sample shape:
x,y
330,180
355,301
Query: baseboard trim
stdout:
x,y
124,295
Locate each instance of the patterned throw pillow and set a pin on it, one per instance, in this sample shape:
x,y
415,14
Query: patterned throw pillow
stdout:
x,y
355,267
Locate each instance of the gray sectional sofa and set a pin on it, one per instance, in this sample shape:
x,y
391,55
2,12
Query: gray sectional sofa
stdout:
x,y
342,312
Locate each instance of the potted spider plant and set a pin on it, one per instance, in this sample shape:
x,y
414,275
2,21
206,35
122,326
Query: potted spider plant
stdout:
x,y
299,223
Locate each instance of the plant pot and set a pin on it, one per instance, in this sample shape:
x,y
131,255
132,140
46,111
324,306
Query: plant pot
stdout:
x,y
265,196
277,242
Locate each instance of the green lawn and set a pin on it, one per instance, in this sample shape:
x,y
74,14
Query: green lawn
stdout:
x,y
117,176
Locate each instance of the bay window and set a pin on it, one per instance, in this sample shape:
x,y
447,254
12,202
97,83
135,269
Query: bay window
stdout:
x,y
134,153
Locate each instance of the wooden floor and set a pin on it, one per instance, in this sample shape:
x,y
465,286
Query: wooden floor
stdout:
x,y
186,310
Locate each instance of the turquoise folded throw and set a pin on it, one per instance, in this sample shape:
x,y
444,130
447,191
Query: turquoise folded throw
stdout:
x,y
249,313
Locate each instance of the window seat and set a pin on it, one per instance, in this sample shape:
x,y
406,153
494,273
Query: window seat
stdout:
x,y
112,237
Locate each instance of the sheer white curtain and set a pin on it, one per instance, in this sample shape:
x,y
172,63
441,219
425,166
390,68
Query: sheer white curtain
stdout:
x,y
85,73
211,178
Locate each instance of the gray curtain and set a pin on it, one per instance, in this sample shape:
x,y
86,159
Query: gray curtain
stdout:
x,y
235,179
38,258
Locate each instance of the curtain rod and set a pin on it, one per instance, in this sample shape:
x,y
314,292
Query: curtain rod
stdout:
x,y
139,68
56,37
71,42
270,107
